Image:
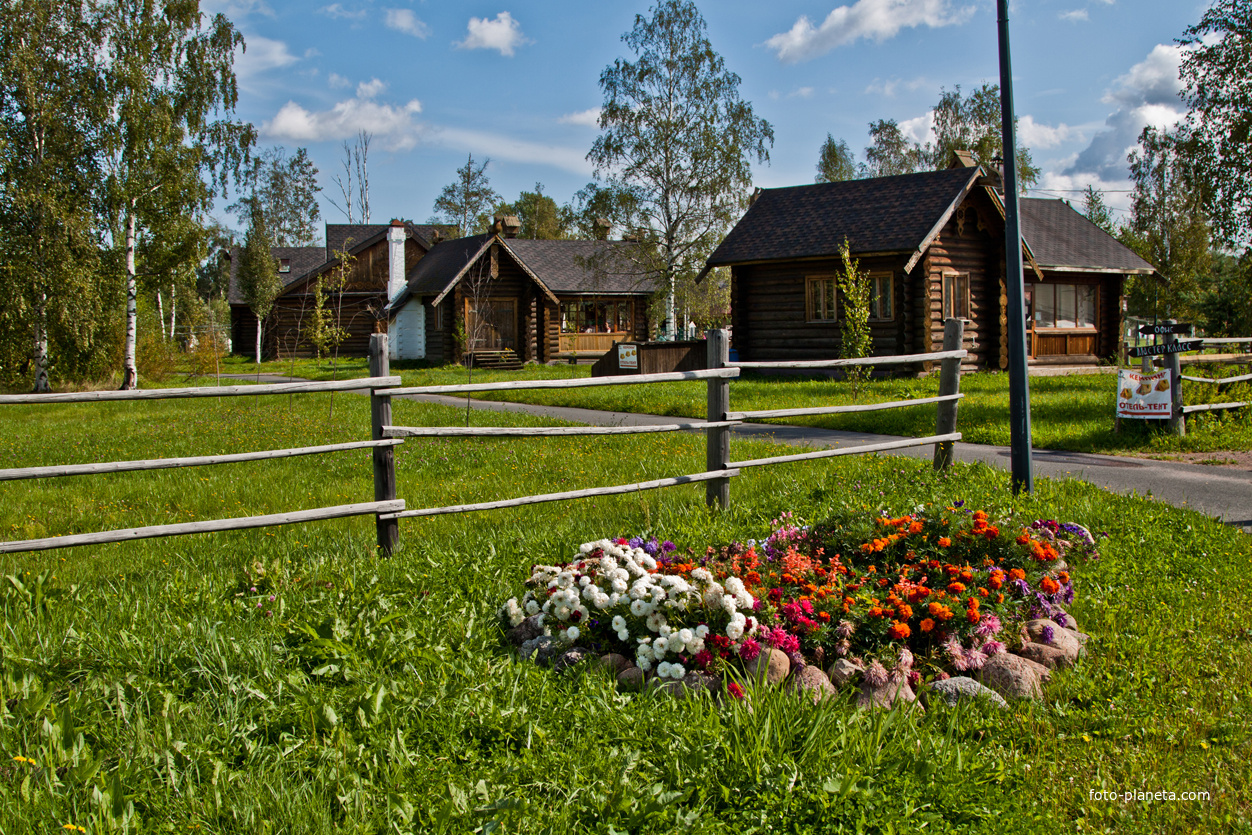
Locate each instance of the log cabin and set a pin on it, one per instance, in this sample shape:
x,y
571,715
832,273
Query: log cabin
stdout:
x,y
932,244
504,300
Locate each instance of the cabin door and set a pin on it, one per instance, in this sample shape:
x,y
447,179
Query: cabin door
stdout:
x,y
491,324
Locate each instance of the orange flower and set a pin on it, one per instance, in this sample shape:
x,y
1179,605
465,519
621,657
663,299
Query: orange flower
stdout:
x,y
956,588
904,611
916,527
1023,538
823,616
1063,576
899,631
983,591
1049,585
927,625
999,598
973,616
935,609
1017,574
992,532
944,542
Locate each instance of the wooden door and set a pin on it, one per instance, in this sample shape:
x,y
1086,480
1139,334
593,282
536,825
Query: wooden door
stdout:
x,y
491,325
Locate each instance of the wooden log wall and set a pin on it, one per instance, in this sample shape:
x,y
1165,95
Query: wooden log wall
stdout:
x,y
966,244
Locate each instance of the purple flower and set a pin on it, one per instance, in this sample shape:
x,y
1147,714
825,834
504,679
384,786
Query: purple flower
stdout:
x,y
1047,633
1023,588
961,503
1068,594
635,542
797,660
1061,618
650,548
668,546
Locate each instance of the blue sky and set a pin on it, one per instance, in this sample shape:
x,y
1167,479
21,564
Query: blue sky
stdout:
x,y
518,82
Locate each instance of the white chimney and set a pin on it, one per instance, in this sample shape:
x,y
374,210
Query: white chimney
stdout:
x,y
395,258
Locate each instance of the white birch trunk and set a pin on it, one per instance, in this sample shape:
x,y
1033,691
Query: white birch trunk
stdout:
x,y
161,313
130,374
173,308
41,345
258,340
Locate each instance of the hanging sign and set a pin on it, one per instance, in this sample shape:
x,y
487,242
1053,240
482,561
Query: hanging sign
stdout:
x,y
1176,327
1166,348
627,355
1143,395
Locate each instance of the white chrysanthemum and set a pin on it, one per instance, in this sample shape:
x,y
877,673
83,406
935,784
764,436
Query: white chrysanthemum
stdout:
x,y
618,586
734,585
623,635
677,671
572,633
702,575
665,629
619,623
729,603
656,621
647,562
681,586
734,631
532,607
695,646
614,599
663,669
644,664
639,608
645,651
587,547
745,600
676,645
584,581
686,635
607,564
539,621
564,580
702,630
659,647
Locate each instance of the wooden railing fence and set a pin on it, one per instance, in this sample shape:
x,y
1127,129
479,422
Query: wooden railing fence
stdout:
x,y
388,510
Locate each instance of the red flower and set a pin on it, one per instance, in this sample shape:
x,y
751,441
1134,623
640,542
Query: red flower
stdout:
x,y
735,690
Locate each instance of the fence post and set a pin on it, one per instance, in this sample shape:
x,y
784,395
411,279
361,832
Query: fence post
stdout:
x,y
384,457
1177,421
718,440
949,383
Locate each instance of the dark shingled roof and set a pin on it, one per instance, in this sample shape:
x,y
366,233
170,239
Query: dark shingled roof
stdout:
x,y
351,234
564,267
303,259
1061,237
883,214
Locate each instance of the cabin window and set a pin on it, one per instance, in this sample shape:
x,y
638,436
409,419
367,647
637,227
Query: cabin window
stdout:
x,y
820,305
1063,305
956,296
594,316
881,301
284,265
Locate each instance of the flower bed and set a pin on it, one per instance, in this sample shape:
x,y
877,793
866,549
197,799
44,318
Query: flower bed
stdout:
x,y
917,598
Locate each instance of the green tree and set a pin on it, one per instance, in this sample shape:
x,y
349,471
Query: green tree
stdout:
x,y
1226,308
854,287
53,309
465,202
889,151
834,162
972,123
170,85
541,217
1094,207
1217,74
677,137
287,188
1169,225
258,272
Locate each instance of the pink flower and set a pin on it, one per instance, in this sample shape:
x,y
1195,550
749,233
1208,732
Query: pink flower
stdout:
x,y
914,677
749,649
989,626
703,659
992,648
875,674
735,690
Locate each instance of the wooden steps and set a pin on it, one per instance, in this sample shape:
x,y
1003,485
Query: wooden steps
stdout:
x,y
505,360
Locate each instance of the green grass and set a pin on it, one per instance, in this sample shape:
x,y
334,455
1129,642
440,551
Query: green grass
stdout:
x,y
154,696
1073,412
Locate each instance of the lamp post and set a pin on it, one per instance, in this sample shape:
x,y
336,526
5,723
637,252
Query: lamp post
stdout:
x,y
1019,382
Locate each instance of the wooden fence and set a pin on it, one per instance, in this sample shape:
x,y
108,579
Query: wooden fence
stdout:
x,y
1174,362
388,510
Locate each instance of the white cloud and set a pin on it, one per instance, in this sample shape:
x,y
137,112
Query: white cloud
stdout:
x,y
890,87
369,89
921,129
336,10
1070,187
393,124
404,20
1146,95
1034,134
337,81
260,55
877,20
1075,15
801,93
588,118
514,150
503,34
235,9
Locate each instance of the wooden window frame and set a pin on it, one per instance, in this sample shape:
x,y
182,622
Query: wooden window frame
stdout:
x,y
949,308
875,313
812,314
284,265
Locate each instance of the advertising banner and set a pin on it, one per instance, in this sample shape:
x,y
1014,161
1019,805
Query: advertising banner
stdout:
x,y
1143,395
627,356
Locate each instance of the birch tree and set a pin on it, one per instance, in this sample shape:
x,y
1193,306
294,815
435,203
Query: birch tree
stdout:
x,y
171,89
258,273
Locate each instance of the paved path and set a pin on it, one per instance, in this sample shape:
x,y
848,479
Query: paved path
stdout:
x,y
1221,492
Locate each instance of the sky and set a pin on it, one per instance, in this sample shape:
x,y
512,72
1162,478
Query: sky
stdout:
x,y
518,83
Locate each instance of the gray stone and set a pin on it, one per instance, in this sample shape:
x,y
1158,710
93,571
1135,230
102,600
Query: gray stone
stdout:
x,y
546,649
571,658
615,663
527,630
771,665
689,686
812,681
885,696
1062,638
952,690
1045,654
843,672
1012,676
630,680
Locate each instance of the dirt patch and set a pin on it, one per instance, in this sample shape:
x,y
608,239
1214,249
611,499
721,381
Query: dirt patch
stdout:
x,y
1236,460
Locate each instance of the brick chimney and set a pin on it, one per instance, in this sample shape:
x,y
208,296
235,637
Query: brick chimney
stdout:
x,y
396,236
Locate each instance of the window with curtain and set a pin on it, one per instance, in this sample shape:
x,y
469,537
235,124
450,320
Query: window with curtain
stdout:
x,y
820,304
881,302
1065,305
956,296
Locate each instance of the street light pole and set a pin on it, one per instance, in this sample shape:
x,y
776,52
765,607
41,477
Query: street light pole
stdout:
x,y
1019,382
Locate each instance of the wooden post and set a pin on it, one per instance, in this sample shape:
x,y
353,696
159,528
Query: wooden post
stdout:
x,y
718,439
1177,421
949,383
384,457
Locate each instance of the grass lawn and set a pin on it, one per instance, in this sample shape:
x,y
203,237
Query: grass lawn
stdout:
x,y
142,687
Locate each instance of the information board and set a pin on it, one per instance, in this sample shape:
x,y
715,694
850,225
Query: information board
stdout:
x,y
627,356
1143,395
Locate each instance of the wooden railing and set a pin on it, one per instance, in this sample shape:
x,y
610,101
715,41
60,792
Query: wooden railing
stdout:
x,y
388,510
1238,359
590,343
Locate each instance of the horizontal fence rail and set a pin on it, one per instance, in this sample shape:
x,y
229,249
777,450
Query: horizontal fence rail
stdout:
x,y
841,410
1218,380
202,391
569,494
1212,407
903,359
543,431
581,382
856,450
171,463
215,525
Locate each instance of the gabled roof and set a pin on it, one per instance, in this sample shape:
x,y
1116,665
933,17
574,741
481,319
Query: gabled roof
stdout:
x,y
1064,240
565,267
354,235
304,259
879,215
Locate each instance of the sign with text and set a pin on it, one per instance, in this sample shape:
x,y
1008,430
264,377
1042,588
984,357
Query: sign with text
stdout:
x,y
1166,348
1176,327
1143,395
627,356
